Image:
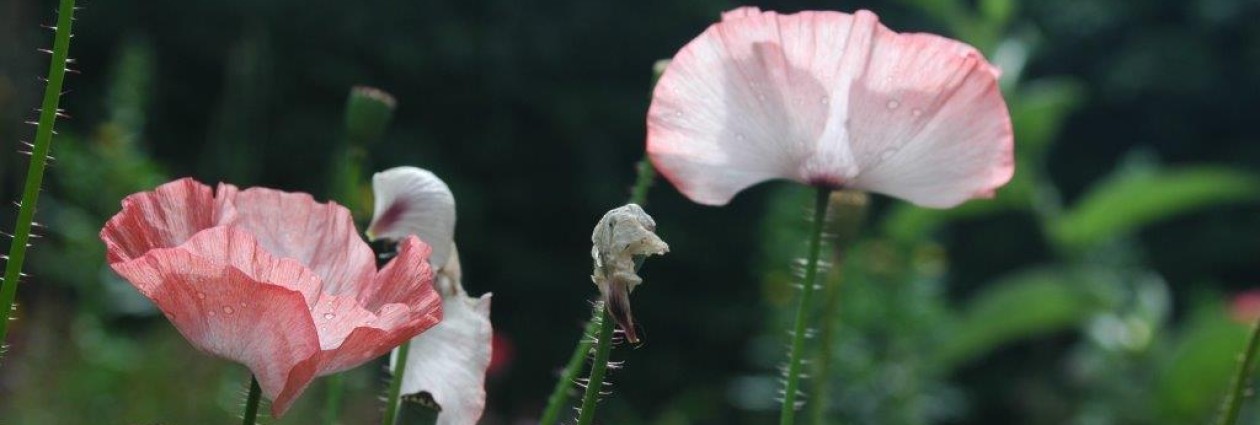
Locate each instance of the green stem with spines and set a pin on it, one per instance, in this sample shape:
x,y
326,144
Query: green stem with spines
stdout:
x,y
395,383
1233,401
603,346
787,416
250,417
39,154
555,403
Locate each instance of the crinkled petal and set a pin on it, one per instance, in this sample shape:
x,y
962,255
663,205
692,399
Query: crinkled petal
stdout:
x,y
232,299
163,218
399,304
319,235
761,96
414,201
450,360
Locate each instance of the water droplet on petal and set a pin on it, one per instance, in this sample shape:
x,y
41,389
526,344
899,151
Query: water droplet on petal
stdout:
x,y
917,112
678,114
892,104
211,313
227,309
242,304
329,316
201,295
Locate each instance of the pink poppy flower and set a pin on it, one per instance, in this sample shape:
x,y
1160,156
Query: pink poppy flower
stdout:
x,y
832,100
273,280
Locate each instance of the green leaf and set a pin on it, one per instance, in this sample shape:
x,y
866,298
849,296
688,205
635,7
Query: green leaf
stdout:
x,y
1130,201
1028,304
1192,381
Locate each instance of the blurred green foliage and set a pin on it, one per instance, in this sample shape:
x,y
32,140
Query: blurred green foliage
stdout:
x,y
1089,291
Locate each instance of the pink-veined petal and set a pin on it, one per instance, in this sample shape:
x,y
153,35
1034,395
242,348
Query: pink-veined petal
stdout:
x,y
162,218
414,201
450,360
319,235
236,301
831,100
935,138
399,304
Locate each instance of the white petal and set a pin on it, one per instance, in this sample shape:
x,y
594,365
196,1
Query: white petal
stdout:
x,y
449,360
414,201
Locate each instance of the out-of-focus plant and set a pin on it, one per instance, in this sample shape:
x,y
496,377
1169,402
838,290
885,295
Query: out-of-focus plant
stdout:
x,y
899,339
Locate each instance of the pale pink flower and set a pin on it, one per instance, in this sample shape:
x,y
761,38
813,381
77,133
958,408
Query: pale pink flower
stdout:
x,y
273,280
832,100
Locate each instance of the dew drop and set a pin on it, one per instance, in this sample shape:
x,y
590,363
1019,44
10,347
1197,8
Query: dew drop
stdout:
x,y
678,114
211,313
227,309
917,112
242,304
329,316
892,104
201,295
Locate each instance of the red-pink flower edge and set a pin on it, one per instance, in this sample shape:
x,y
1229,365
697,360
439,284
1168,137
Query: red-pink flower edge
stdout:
x,y
270,279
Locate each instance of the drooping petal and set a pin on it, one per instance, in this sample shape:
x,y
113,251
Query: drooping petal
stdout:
x,y
232,299
450,360
163,218
319,235
399,303
817,97
414,201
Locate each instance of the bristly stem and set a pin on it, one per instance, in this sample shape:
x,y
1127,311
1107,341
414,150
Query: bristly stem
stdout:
x,y
559,394
39,160
395,383
332,397
251,402
787,415
1233,401
603,346
644,176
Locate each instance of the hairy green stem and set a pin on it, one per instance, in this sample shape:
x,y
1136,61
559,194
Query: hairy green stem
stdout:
x,y
787,415
603,346
559,394
395,383
39,154
251,402
1233,401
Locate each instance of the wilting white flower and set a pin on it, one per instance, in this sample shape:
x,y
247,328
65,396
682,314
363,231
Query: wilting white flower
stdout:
x,y
622,238
450,362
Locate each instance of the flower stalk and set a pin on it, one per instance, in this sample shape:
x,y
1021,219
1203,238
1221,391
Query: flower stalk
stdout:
x,y
598,366
787,415
1233,400
559,394
395,384
39,160
250,417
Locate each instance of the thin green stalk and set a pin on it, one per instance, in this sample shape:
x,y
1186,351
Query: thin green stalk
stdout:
x,y
603,346
39,154
559,394
645,174
334,388
787,415
251,403
1233,401
395,384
